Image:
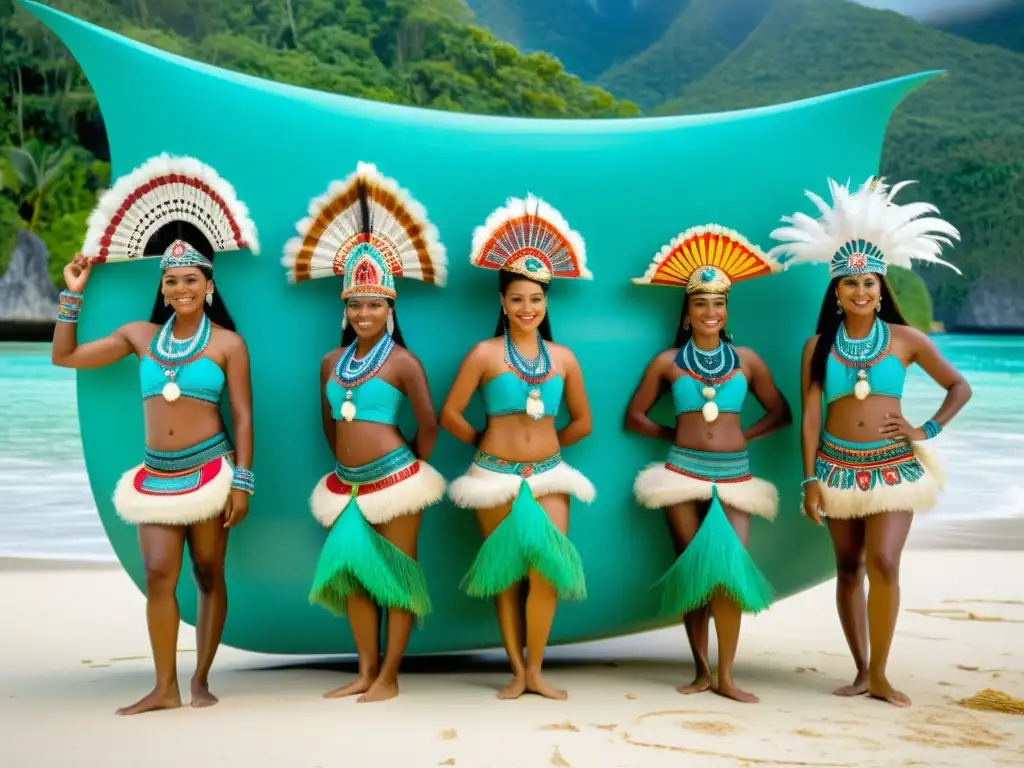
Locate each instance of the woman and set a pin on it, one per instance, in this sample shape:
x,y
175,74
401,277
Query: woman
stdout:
x,y
868,472
192,484
518,483
368,231
705,486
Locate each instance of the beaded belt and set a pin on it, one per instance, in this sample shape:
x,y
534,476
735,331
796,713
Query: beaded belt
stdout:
x,y
188,458
709,466
842,464
390,469
521,468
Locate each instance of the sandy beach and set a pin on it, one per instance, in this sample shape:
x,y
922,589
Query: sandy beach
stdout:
x,y
76,648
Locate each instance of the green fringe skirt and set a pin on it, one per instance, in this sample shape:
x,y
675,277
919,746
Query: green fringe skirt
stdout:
x,y
355,559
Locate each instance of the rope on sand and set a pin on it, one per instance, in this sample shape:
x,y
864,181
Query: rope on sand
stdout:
x,y
990,700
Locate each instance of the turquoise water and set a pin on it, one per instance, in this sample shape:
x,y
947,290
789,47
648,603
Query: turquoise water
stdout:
x,y
46,508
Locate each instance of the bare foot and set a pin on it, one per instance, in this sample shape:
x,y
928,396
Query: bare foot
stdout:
x,y
700,684
728,689
157,699
883,691
360,685
858,687
201,696
515,689
535,683
381,690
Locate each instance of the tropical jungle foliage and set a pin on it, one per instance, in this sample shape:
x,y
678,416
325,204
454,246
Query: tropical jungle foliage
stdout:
x,y
419,52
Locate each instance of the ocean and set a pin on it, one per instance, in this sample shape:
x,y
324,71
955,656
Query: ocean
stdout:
x,y
47,511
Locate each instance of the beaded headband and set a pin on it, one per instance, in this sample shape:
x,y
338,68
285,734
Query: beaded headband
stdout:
x,y
529,237
707,260
367,273
181,254
865,232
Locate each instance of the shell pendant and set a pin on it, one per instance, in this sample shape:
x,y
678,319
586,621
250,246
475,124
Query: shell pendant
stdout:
x,y
348,408
862,388
710,409
171,392
534,405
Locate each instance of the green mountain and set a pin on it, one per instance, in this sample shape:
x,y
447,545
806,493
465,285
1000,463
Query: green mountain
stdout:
x,y
53,148
1002,26
962,137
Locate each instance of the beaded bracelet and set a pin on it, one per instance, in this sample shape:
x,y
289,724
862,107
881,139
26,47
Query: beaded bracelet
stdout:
x,y
931,428
808,480
68,306
243,480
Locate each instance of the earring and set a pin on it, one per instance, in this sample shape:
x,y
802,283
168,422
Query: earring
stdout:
x,y
686,323
391,323
209,299
166,302
878,306
839,307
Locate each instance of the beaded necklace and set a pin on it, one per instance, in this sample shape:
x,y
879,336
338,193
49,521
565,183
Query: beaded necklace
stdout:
x,y
860,354
171,353
533,372
713,368
350,373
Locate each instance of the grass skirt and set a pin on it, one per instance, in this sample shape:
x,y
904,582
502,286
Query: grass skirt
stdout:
x,y
715,562
355,558
862,479
526,540
177,487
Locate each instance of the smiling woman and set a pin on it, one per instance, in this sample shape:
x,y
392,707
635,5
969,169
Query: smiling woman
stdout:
x,y
192,485
518,484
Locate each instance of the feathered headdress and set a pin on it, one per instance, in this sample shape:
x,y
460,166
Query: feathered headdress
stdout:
x,y
707,259
162,191
530,238
368,231
865,231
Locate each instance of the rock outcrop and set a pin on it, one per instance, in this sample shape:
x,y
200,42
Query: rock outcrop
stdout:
x,y
27,293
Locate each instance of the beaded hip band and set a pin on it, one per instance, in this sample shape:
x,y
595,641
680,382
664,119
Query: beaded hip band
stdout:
x,y
188,458
521,468
390,469
709,466
846,465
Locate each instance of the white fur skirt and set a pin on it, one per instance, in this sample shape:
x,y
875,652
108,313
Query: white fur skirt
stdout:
x,y
394,485
492,482
862,479
690,475
177,487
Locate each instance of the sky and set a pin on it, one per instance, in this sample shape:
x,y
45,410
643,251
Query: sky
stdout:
x,y
928,10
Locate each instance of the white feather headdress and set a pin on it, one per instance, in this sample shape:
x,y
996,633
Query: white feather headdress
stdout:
x,y
864,231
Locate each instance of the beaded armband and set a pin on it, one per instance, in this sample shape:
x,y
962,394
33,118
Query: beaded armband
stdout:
x,y
931,428
243,480
68,307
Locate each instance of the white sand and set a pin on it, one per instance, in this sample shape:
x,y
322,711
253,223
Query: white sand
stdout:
x,y
74,648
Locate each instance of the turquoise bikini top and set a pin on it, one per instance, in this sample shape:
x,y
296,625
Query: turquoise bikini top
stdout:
x,y
705,370
688,394
868,360
375,400
885,376
201,379
507,394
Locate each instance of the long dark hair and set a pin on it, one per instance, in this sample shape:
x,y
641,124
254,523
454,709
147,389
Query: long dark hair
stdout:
x,y
348,336
182,230
829,320
505,279
684,332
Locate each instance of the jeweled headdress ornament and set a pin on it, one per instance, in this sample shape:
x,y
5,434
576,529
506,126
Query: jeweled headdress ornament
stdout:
x,y
529,237
181,254
865,231
707,260
166,190
368,231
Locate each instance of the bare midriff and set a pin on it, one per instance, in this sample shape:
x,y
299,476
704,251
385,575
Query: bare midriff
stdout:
x,y
723,435
362,442
518,437
858,421
181,424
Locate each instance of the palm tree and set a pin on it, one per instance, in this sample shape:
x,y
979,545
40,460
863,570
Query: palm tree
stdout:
x,y
38,167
